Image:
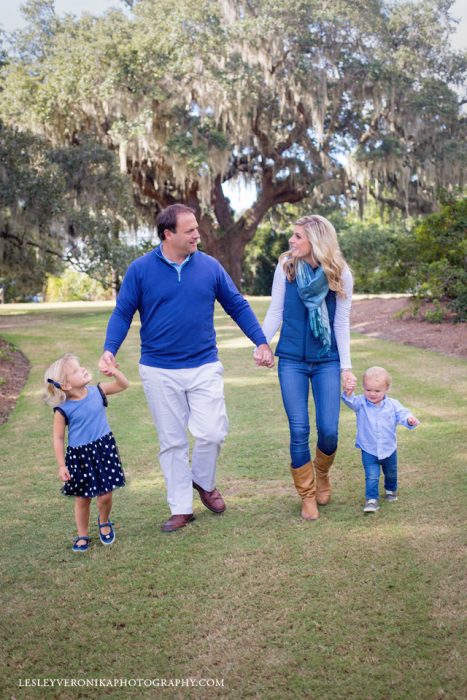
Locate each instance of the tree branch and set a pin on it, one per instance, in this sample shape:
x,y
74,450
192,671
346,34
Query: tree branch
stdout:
x,y
221,205
21,242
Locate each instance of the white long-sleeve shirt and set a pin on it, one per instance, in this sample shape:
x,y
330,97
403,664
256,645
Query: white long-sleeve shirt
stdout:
x,y
341,326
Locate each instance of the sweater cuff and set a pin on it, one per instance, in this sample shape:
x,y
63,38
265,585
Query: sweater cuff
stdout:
x,y
111,347
260,340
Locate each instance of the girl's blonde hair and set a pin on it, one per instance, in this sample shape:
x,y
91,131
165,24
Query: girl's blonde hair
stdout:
x,y
378,373
54,395
325,249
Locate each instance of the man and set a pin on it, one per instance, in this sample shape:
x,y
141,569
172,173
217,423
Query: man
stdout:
x,y
174,288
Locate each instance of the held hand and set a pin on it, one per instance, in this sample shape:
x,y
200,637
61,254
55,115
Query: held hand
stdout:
x,y
263,356
63,474
411,420
349,381
106,363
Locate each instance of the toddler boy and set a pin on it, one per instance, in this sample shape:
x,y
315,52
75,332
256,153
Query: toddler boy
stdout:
x,y
377,420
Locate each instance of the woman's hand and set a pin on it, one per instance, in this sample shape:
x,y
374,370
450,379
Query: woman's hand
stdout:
x,y
349,381
263,356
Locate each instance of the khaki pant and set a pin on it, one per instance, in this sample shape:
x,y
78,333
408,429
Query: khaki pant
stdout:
x,y
181,400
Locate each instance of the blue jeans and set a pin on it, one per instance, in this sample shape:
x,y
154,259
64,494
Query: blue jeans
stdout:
x,y
371,464
294,379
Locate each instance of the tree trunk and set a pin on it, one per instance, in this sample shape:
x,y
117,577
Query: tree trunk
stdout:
x,y
226,239
222,236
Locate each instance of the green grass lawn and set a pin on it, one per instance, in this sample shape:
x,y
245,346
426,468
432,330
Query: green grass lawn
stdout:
x,y
257,600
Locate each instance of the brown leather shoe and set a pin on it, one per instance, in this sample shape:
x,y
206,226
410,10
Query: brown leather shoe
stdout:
x,y
175,522
211,499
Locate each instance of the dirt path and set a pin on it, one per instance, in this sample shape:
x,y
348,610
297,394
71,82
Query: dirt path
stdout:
x,y
381,318
14,370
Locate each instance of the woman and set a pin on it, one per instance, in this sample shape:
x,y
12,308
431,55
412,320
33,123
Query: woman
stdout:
x,y
311,298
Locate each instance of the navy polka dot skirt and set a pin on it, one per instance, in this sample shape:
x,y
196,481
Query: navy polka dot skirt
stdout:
x,y
95,468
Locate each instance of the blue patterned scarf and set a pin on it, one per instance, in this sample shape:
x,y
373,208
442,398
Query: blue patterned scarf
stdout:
x,y
312,286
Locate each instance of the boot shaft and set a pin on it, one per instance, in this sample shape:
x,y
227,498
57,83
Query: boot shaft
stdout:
x,y
322,462
304,480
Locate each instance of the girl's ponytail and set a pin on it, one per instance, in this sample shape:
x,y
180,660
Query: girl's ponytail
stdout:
x,y
54,377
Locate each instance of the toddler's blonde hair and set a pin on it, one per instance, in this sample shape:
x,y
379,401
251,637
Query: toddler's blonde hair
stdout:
x,y
53,396
378,373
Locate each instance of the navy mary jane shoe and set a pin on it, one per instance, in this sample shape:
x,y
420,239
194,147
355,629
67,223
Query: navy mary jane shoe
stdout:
x,y
81,547
109,538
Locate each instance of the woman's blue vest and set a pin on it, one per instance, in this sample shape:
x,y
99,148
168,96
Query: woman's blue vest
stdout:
x,y
296,341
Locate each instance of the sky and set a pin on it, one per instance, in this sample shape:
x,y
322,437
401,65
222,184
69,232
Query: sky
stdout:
x,y
11,18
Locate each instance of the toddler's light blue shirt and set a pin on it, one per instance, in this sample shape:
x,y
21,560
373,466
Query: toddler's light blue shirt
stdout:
x,y
377,423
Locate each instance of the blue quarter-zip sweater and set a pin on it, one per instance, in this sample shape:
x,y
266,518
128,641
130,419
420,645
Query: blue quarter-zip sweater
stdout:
x,y
176,308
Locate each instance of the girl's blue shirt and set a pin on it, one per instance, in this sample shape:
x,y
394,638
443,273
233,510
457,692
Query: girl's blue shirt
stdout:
x,y
86,419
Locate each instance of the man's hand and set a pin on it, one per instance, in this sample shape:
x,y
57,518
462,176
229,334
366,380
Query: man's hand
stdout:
x,y
107,362
263,356
411,420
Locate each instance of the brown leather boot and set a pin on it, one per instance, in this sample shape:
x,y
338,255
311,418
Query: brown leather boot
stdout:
x,y
322,464
304,481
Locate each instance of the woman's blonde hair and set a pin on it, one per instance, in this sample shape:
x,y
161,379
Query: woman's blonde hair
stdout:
x,y
53,394
325,249
378,373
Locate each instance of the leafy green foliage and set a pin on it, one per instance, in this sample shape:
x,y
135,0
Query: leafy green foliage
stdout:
x,y
439,266
374,249
31,197
67,203
74,286
377,252
311,101
261,257
99,210
427,259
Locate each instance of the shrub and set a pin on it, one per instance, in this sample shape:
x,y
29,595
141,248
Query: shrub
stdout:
x,y
439,264
75,286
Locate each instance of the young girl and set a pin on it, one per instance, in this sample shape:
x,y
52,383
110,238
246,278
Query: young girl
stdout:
x,y
91,466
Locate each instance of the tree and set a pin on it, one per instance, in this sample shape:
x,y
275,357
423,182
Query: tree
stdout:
x,y
31,190
439,264
261,255
310,100
379,249
98,211
74,286
59,204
